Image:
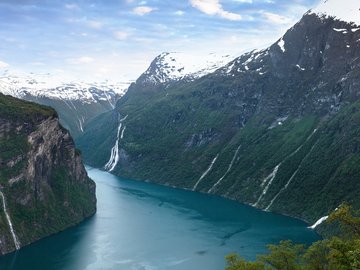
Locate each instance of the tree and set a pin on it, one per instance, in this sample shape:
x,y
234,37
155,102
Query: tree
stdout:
x,y
234,262
284,256
336,253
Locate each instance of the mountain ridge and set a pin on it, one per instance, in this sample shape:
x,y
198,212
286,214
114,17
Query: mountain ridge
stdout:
x,y
270,129
75,102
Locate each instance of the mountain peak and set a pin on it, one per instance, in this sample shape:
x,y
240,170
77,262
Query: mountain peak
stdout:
x,y
172,66
343,10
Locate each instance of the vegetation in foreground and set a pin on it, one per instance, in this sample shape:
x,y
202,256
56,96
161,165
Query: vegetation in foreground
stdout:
x,y
340,252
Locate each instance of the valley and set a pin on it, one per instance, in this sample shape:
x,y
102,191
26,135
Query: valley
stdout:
x,y
198,156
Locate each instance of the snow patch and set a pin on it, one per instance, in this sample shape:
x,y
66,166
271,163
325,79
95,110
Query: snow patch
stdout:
x,y
345,10
344,31
299,67
45,85
176,65
281,44
278,122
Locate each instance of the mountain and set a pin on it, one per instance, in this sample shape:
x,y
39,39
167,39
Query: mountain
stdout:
x,y
277,128
44,187
168,67
75,102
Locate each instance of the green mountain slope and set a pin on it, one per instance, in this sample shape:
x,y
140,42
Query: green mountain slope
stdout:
x,y
275,128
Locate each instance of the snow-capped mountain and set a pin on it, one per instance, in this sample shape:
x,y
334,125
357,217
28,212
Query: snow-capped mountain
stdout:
x,y
176,66
44,85
308,49
276,128
75,102
347,11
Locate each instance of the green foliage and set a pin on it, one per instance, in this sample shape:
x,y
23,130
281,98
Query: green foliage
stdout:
x,y
234,262
284,256
337,253
19,110
173,134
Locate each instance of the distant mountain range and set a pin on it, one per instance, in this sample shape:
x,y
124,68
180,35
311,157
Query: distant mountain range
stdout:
x,y
75,102
277,128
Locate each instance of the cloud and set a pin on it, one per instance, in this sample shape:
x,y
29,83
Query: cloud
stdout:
x,y
245,1
142,10
81,60
179,12
3,64
213,7
71,6
121,35
94,24
277,19
38,64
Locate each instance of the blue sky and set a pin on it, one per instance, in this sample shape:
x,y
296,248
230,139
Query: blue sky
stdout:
x,y
117,39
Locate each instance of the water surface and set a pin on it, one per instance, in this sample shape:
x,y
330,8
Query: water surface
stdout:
x,y
141,226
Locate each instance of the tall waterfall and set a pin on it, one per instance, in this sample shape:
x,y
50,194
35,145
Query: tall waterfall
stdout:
x,y
13,234
114,154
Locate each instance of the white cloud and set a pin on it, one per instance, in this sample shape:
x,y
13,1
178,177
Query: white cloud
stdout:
x,y
245,1
277,19
86,22
81,60
3,64
71,6
213,7
94,24
38,64
179,13
142,10
121,35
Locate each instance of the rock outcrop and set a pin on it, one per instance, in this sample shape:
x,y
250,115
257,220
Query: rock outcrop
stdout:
x,y
43,182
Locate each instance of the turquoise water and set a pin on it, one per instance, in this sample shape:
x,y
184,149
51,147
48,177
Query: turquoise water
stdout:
x,y
142,226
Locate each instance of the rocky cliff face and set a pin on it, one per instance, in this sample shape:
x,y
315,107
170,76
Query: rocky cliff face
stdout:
x,y
44,185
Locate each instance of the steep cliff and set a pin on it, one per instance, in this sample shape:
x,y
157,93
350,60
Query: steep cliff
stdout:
x,y
44,187
275,128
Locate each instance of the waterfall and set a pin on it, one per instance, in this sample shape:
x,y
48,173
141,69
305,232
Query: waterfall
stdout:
x,y
290,180
317,223
227,171
114,154
269,179
122,132
205,173
272,175
16,241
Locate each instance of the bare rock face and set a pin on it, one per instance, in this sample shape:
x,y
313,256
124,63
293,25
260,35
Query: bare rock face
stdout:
x,y
42,178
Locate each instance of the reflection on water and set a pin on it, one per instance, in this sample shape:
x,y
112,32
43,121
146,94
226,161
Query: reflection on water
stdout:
x,y
145,226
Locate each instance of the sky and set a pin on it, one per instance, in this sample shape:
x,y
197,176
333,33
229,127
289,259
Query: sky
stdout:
x,y
97,40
